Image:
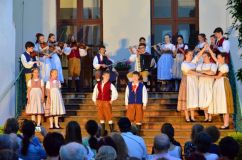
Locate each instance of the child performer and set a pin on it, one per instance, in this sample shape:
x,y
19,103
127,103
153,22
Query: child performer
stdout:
x,y
74,62
28,61
55,105
35,95
136,98
104,94
222,92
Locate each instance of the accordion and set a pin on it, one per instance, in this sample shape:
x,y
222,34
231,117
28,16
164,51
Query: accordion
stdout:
x,y
146,62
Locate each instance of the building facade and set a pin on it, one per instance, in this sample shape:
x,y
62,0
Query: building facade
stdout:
x,y
118,24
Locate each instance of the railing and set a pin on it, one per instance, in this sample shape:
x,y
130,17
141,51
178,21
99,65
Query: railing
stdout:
x,y
20,94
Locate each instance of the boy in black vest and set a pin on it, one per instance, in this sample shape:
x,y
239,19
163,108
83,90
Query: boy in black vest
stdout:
x,y
29,62
136,98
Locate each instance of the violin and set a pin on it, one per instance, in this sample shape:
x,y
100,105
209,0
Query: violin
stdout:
x,y
33,54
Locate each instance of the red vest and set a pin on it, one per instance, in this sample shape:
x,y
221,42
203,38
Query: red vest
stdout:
x,y
74,54
220,44
105,93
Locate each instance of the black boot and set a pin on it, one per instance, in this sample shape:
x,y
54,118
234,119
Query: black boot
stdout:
x,y
78,86
69,85
111,126
103,129
139,129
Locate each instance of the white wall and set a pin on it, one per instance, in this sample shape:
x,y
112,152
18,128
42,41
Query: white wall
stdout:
x,y
31,17
7,54
211,17
124,22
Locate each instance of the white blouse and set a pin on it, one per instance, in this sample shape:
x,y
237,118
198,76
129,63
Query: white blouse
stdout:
x,y
29,83
207,67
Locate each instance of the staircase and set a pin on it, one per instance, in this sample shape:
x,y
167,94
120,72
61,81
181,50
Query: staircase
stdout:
x,y
161,109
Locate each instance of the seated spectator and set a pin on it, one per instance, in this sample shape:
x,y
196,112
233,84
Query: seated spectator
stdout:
x,y
122,150
189,146
107,141
175,147
229,148
8,142
73,151
91,141
161,147
106,153
30,149
7,154
203,142
214,133
196,156
52,143
73,134
132,141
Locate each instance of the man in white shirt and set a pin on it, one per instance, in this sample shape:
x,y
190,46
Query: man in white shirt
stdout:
x,y
135,144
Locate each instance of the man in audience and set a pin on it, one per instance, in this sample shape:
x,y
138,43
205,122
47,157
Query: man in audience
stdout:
x,y
161,147
73,151
52,144
136,145
8,142
106,153
229,148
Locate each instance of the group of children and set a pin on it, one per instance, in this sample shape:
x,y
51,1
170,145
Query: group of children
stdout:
x,y
205,84
136,98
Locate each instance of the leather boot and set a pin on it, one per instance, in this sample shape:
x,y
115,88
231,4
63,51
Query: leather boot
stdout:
x,y
78,86
111,126
103,129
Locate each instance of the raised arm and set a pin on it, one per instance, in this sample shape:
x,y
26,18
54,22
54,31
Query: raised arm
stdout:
x,y
212,55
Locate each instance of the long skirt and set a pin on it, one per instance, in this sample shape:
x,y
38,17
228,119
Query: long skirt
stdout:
x,y
56,106
222,97
164,70
45,68
56,64
176,68
205,87
35,105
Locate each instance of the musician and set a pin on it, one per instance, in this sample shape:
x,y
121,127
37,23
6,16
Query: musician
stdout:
x,y
101,63
42,48
55,60
143,63
222,45
27,61
74,62
133,49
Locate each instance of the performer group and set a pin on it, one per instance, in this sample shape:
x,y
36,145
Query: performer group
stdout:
x,y
200,76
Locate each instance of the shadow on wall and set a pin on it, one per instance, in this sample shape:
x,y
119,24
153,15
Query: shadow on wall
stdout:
x,y
123,51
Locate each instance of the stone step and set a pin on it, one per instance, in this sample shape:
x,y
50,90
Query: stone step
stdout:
x,y
121,95
171,106
119,101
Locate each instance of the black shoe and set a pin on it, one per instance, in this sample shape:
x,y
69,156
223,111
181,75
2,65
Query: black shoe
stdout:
x,y
111,126
103,129
78,86
193,120
70,85
224,127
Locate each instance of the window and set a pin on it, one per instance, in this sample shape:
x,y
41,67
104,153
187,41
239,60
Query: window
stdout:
x,y
175,17
80,20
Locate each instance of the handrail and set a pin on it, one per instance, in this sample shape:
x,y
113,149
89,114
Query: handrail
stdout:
x,y
10,86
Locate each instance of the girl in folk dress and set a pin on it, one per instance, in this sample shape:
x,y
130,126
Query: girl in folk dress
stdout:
x,y
188,92
55,60
205,84
45,62
165,62
222,92
55,102
35,106
201,42
180,51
